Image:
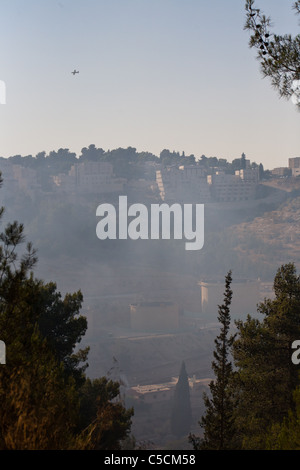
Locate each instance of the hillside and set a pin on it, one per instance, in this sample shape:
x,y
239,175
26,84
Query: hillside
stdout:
x,y
272,238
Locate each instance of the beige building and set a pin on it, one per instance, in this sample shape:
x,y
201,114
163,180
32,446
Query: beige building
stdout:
x,y
246,296
294,162
192,184
89,177
154,316
183,184
238,187
154,393
295,171
281,171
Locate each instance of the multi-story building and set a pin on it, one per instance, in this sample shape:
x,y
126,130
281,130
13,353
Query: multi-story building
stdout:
x,y
183,184
238,187
192,184
281,171
249,174
294,162
18,177
90,177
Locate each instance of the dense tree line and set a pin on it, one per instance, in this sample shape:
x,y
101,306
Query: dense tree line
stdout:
x,y
127,162
255,396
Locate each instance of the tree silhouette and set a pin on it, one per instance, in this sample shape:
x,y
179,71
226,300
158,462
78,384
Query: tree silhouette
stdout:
x,y
218,421
279,55
43,391
266,376
181,417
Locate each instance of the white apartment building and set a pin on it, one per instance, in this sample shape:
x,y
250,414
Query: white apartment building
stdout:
x,y
90,177
183,184
294,162
230,188
249,174
192,184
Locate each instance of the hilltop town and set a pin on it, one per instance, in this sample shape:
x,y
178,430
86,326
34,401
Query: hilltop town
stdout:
x,y
149,303
172,176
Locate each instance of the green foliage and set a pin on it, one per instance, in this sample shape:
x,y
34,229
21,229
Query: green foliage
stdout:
x,y
39,406
43,389
91,154
266,377
60,322
105,421
279,55
286,436
168,158
218,420
256,404
37,401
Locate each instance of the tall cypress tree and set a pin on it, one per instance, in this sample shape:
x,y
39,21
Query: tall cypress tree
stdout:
x,y
218,421
181,417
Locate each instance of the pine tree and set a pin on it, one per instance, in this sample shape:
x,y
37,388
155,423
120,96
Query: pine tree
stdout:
x,y
218,421
262,353
181,417
279,55
43,392
286,435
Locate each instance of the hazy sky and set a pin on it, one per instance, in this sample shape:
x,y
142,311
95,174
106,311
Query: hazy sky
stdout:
x,y
154,74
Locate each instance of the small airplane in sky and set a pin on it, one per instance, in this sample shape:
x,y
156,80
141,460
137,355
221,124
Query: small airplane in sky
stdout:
x,y
75,71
